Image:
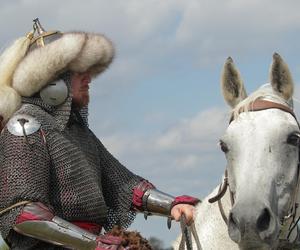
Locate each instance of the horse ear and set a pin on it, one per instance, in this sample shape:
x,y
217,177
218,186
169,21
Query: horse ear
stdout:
x,y
281,78
232,84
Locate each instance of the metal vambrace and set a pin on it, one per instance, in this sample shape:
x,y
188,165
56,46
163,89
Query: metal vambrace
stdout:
x,y
43,225
157,202
148,199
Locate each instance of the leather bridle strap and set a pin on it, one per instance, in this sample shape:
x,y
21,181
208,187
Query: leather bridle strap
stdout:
x,y
261,104
187,233
222,189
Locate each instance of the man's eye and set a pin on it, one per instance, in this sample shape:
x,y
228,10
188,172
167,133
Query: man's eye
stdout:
x,y
223,146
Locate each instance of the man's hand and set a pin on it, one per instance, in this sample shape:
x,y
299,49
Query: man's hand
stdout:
x,y
186,209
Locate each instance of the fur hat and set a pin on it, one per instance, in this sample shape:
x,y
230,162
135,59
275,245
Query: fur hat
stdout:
x,y
77,52
10,100
33,68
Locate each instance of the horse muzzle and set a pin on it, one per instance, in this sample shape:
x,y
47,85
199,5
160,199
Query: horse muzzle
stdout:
x,y
249,222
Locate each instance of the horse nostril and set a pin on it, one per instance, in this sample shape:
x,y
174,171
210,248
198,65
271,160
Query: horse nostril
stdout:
x,y
263,221
233,228
232,220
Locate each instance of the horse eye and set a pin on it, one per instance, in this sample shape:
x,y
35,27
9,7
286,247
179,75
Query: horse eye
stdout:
x,y
223,146
294,139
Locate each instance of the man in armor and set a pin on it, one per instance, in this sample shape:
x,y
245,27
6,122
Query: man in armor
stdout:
x,y
59,186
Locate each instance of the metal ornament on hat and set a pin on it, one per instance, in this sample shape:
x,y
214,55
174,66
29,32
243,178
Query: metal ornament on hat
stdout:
x,y
43,37
56,92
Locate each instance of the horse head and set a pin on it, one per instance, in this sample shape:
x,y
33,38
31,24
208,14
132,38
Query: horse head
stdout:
x,y
262,152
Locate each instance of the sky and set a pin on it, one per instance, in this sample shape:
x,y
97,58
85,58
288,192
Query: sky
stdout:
x,y
159,108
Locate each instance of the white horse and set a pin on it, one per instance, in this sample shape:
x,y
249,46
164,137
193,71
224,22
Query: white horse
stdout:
x,y
261,144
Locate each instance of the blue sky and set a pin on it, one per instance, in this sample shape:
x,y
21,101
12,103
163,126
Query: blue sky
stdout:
x,y
159,107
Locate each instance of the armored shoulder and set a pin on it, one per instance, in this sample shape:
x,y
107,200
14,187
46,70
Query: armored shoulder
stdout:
x,y
23,125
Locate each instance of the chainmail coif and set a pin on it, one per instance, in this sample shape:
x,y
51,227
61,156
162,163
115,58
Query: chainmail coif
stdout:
x,y
72,173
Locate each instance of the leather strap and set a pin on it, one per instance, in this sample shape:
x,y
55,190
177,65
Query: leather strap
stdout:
x,y
187,233
222,190
18,204
261,104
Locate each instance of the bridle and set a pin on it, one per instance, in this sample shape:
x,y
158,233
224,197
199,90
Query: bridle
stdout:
x,y
288,222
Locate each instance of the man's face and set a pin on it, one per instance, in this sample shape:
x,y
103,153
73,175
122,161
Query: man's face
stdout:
x,y
80,89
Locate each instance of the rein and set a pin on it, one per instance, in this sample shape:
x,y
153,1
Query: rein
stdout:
x,y
187,233
289,222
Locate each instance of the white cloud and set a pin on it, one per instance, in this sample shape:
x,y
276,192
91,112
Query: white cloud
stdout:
x,y
123,73
206,126
196,131
216,29
186,153
151,37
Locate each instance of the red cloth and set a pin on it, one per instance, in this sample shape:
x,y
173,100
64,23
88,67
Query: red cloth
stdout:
x,y
91,227
185,199
138,193
39,211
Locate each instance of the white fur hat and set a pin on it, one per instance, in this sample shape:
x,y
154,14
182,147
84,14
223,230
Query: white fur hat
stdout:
x,y
10,100
30,63
77,52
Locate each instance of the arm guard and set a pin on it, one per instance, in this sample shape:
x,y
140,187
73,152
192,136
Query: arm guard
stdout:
x,y
157,202
148,199
37,221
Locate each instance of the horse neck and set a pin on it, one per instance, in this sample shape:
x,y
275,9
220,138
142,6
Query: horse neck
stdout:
x,y
210,224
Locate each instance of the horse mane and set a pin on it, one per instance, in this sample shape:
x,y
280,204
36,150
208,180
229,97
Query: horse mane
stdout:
x,y
265,92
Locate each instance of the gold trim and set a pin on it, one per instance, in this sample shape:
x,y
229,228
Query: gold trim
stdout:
x,y
48,33
29,35
21,203
40,42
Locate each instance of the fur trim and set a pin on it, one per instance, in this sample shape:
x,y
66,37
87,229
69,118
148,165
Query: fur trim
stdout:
x,y
10,59
10,102
44,64
96,55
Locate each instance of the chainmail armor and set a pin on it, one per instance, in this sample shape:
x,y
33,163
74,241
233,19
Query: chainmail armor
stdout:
x,y
72,173
17,179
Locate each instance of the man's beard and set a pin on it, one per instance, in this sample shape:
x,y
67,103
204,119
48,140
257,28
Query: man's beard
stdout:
x,y
83,101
